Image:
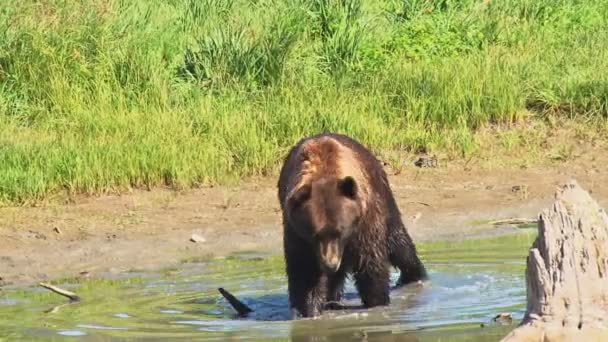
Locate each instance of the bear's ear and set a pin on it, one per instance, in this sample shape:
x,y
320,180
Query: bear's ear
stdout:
x,y
299,196
348,187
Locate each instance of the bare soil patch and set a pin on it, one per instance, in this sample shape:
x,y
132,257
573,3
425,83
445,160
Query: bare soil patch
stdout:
x,y
152,229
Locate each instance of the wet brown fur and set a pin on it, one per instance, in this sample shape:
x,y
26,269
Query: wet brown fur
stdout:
x,y
378,239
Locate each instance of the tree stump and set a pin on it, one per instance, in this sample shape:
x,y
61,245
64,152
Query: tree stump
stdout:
x,y
567,272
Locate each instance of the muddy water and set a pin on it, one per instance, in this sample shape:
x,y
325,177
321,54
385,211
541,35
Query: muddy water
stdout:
x,y
471,282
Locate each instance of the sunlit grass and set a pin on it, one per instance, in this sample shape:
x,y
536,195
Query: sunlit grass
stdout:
x,y
104,95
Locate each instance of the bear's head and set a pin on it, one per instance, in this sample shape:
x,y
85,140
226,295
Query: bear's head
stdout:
x,y
326,212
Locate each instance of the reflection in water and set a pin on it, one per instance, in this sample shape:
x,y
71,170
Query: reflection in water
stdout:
x,y
185,304
72,333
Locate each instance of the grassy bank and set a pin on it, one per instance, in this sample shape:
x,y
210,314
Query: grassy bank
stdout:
x,y
104,94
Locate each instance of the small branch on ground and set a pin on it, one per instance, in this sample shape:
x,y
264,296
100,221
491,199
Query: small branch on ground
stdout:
x,y
513,221
421,203
71,295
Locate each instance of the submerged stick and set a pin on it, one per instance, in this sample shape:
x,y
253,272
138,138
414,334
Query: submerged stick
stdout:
x,y
55,309
71,295
239,306
337,306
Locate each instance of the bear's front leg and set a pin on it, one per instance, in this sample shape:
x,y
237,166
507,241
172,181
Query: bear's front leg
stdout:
x,y
307,293
307,285
335,290
373,285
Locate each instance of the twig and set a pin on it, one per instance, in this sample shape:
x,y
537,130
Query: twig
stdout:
x,y
337,306
239,306
513,221
421,203
71,295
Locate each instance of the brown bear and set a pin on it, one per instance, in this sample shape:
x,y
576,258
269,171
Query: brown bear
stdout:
x,y
339,218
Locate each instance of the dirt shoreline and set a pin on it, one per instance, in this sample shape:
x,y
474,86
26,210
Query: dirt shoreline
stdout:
x,y
147,230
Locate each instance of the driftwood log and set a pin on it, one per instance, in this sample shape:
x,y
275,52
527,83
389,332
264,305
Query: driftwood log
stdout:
x,y
241,308
567,272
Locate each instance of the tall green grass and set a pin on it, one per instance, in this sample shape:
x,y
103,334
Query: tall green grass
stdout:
x,y
105,94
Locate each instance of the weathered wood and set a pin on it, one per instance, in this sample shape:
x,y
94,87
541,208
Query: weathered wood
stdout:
x,y
70,295
513,221
241,308
567,272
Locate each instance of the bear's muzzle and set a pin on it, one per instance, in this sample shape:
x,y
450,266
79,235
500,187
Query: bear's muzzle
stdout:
x,y
330,255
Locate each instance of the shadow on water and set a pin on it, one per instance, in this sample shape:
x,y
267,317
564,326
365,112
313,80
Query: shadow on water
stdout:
x,y
471,281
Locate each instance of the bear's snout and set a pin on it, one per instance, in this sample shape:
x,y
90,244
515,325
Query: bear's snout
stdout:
x,y
331,256
332,266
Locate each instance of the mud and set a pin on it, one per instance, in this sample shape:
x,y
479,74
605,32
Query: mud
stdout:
x,y
93,236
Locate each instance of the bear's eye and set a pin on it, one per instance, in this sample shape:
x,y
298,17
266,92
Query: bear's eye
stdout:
x,y
348,187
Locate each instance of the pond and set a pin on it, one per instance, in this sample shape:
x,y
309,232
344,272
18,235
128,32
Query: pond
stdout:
x,y
471,282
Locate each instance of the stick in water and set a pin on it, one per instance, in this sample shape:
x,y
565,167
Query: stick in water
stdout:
x,y
239,306
71,295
